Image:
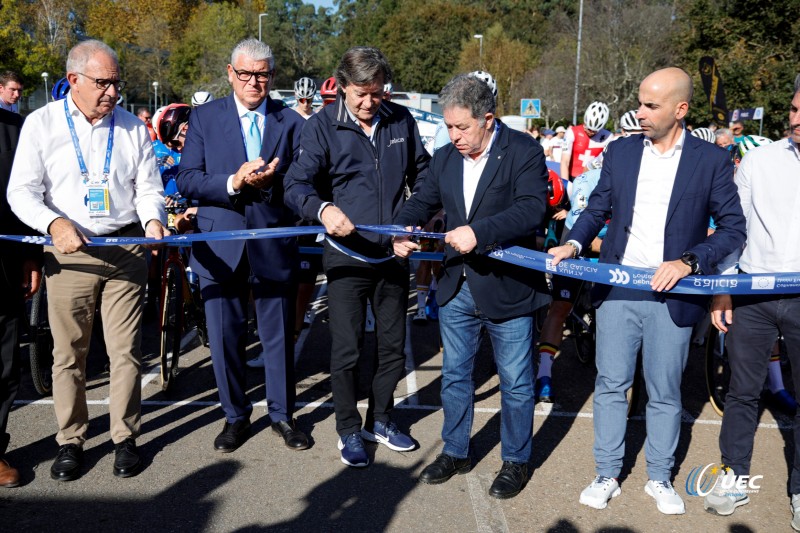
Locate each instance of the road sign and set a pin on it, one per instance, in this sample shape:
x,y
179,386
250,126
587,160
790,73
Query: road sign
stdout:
x,y
530,108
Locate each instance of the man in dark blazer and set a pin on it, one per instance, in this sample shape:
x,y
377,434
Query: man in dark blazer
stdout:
x,y
662,187
492,182
20,274
224,169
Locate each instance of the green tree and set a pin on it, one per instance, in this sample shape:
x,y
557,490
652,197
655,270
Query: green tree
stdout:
x,y
197,64
756,49
423,42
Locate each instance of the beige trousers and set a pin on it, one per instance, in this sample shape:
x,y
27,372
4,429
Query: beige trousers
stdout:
x,y
114,277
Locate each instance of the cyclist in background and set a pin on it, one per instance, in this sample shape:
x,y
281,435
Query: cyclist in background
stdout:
x,y
304,91
586,141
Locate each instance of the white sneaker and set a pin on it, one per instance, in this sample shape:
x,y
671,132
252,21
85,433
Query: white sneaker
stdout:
x,y
600,491
667,500
796,512
724,499
420,316
256,362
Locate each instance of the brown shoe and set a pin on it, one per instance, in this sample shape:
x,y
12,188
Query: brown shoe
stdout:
x,y
9,477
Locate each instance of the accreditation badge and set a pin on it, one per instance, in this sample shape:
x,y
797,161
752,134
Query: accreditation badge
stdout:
x,y
98,200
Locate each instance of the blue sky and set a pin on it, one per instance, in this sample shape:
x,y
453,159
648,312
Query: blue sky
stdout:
x,y
323,3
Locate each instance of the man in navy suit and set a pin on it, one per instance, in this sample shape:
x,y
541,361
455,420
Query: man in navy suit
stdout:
x,y
492,182
662,187
224,169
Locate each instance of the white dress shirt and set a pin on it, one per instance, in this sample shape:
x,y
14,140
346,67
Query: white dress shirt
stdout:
x,y
657,173
473,168
244,124
768,179
46,182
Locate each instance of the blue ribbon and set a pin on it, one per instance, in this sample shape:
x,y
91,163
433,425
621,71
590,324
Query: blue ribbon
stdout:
x,y
616,275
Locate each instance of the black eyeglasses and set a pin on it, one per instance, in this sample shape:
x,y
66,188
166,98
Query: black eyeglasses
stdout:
x,y
244,75
103,84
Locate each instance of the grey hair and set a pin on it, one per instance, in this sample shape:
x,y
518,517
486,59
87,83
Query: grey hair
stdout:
x,y
81,53
797,84
468,92
255,50
362,65
723,132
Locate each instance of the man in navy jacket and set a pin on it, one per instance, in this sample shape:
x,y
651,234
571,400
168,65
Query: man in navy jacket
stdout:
x,y
662,187
358,158
224,169
492,182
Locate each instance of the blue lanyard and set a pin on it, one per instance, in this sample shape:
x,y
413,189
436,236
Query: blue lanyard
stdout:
x,y
77,145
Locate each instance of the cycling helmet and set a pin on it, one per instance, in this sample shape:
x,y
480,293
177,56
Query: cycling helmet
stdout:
x,y
60,89
629,122
201,97
705,134
328,89
556,192
596,116
171,120
486,78
749,142
305,88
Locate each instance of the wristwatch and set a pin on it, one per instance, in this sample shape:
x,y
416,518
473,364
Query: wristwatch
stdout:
x,y
689,259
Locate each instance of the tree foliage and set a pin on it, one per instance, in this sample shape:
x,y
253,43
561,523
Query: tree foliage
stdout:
x,y
528,45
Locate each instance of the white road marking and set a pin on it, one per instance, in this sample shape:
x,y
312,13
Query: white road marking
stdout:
x,y
489,515
411,373
399,404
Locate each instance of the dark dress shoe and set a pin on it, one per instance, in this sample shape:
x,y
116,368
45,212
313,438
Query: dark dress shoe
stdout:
x,y
126,459
232,436
510,480
292,437
443,468
9,476
67,466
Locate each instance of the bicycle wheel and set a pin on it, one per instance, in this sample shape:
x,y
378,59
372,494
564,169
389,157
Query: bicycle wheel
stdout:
x,y
41,344
718,372
583,337
171,323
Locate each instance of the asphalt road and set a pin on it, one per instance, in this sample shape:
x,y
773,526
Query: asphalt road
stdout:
x,y
263,486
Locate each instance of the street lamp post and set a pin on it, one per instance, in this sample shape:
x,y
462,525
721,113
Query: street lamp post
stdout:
x,y
480,40
45,75
259,25
155,96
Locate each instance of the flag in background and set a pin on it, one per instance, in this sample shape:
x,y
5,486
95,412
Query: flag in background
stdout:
x,y
715,92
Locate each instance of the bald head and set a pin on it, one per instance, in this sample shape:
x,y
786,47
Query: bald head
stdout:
x,y
672,82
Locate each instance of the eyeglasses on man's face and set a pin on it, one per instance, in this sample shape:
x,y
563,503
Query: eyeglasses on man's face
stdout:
x,y
103,84
245,75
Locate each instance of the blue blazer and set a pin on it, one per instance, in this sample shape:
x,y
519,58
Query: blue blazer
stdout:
x,y
703,187
215,150
509,204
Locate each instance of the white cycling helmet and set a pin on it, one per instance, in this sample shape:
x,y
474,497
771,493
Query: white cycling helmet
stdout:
x,y
201,97
629,122
486,78
305,88
705,134
596,116
749,142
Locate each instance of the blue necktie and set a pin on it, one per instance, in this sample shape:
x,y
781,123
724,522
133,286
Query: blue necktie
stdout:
x,y
253,138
